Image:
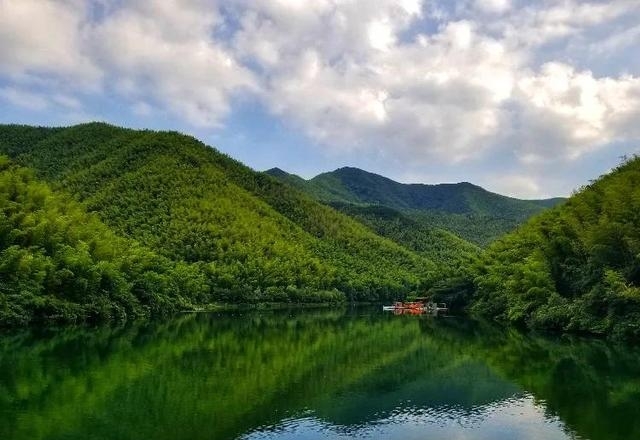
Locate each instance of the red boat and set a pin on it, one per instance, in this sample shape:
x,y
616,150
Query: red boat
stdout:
x,y
416,308
398,305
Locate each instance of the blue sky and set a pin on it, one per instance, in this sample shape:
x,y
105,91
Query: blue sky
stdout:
x,y
530,99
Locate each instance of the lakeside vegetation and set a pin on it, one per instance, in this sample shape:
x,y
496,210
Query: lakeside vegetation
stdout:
x,y
573,268
59,263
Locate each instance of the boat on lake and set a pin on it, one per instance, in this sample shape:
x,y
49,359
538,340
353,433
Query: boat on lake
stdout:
x,y
416,308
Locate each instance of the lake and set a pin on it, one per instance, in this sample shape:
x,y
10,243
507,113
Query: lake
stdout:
x,y
330,374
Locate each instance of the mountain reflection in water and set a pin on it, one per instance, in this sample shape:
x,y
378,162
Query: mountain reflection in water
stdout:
x,y
315,375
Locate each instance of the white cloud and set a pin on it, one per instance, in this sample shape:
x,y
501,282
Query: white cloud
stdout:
x,y
24,98
493,6
617,41
44,37
39,102
410,81
438,95
142,109
352,83
543,22
161,51
380,35
569,113
523,186
66,101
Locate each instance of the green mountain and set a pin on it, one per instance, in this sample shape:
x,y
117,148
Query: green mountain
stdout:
x,y
467,210
59,262
243,236
437,244
575,267
408,229
356,186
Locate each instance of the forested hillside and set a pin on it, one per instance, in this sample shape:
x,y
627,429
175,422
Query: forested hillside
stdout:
x,y
246,236
59,263
575,267
453,253
467,210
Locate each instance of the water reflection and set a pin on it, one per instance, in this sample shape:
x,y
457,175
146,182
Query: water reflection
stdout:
x,y
330,374
514,418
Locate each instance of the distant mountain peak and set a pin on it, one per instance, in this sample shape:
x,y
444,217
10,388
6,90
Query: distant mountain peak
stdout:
x,y
351,171
356,174
360,187
275,171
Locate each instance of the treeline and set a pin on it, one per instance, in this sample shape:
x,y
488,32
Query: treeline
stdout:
x,y
573,268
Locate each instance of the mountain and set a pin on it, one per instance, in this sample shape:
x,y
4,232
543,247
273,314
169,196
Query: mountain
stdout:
x,y
406,229
245,236
575,267
440,245
357,186
467,210
57,262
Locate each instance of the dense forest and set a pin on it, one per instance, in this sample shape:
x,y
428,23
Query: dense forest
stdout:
x,y
58,262
233,235
455,254
466,210
573,268
100,222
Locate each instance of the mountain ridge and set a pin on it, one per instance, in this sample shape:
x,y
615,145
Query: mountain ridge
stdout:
x,y
349,171
461,208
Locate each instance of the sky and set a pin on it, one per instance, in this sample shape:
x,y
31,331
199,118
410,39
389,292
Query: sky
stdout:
x,y
525,98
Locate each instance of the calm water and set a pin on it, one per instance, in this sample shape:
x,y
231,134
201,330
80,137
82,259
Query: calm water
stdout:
x,y
315,375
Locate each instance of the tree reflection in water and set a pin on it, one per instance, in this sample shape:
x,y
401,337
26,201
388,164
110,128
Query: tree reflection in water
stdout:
x,y
322,374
